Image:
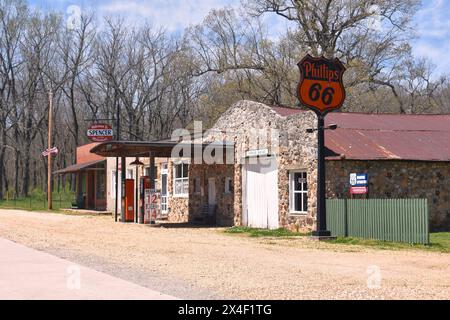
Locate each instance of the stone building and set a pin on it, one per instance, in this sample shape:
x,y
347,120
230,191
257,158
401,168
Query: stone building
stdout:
x,y
271,180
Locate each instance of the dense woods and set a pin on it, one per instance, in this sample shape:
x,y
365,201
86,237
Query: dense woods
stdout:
x,y
160,81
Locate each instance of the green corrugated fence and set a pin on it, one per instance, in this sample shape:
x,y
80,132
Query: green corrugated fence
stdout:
x,y
399,220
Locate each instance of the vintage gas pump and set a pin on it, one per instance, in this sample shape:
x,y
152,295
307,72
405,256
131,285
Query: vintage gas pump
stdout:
x,y
129,200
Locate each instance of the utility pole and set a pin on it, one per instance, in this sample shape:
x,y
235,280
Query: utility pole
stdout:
x,y
49,156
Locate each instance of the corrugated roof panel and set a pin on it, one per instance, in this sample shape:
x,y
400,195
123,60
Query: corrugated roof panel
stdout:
x,y
362,136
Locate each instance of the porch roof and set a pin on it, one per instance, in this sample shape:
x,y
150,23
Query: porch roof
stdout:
x,y
78,167
159,149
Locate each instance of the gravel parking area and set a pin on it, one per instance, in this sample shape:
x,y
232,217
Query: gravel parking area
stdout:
x,y
201,263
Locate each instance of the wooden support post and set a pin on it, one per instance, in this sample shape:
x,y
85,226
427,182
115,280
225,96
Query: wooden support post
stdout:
x,y
123,193
152,178
136,197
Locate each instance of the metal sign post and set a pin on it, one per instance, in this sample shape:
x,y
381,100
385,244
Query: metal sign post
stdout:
x,y
321,89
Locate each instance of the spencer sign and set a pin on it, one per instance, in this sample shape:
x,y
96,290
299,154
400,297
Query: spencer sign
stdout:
x,y
100,132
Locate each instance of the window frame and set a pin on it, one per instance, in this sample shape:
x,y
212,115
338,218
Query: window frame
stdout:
x,y
293,192
182,178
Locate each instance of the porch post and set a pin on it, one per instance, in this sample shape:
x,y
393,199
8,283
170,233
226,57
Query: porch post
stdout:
x,y
136,196
152,176
123,194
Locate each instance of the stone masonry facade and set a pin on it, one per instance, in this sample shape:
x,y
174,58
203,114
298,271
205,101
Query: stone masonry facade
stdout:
x,y
295,149
396,179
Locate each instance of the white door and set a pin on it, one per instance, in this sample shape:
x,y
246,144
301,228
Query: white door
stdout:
x,y
211,191
260,197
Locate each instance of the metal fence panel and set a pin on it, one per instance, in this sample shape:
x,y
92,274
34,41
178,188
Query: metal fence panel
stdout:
x,y
399,220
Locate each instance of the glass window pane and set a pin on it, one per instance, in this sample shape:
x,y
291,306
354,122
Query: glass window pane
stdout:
x,y
305,181
164,184
178,169
305,202
185,170
297,201
297,181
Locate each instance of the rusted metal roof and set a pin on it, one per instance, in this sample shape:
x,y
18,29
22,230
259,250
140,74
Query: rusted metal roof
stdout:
x,y
389,137
384,136
78,167
159,149
286,111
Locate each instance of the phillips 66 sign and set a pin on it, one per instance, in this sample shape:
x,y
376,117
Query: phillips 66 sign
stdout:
x,y
320,87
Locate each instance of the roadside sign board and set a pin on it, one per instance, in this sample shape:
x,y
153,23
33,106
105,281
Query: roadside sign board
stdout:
x,y
100,132
359,179
359,183
359,190
152,205
257,153
321,87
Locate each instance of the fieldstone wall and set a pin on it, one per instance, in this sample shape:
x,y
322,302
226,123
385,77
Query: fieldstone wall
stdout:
x,y
295,149
197,200
178,206
398,179
298,151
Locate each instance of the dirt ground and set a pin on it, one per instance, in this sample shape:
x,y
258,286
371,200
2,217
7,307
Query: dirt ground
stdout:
x,y
205,263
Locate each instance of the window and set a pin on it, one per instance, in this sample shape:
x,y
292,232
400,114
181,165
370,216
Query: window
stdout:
x,y
228,185
298,190
181,180
197,185
130,174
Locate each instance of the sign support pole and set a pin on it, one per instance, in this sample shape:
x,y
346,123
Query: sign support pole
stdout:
x,y
321,89
321,230
49,156
117,161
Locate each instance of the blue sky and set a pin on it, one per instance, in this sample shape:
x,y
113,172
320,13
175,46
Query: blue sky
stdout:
x,y
432,21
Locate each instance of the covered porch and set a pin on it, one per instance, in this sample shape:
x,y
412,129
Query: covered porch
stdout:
x,y
90,184
188,197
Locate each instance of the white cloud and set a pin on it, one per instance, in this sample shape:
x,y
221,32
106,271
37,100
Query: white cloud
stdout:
x,y
171,14
433,31
433,19
438,55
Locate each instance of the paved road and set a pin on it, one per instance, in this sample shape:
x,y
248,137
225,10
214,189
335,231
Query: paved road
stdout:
x,y
30,274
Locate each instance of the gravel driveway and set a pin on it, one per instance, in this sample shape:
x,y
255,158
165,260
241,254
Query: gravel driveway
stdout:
x,y
200,263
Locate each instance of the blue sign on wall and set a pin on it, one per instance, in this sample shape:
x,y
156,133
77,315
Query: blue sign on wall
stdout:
x,y
359,179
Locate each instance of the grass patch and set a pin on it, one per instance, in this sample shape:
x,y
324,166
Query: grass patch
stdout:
x,y
440,242
37,200
255,232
